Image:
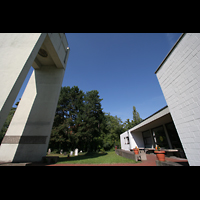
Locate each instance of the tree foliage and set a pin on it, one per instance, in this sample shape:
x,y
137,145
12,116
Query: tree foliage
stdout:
x,y
114,128
136,116
81,123
136,120
67,119
6,124
78,121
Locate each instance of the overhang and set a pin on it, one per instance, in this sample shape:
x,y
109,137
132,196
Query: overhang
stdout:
x,y
159,118
53,52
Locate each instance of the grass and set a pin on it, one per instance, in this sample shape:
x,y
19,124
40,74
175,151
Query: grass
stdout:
x,y
93,158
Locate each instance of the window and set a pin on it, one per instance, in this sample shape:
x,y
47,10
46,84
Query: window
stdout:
x,y
148,142
127,138
173,135
160,137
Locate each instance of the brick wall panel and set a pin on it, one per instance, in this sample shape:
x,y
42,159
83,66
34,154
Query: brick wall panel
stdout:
x,y
179,78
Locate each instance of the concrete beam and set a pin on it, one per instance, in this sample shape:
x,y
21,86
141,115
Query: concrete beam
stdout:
x,y
17,53
28,135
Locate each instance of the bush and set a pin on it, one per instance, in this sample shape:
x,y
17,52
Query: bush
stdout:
x,y
102,150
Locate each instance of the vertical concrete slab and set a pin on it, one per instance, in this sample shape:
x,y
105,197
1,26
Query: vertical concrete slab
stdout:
x,y
28,135
17,53
30,128
179,77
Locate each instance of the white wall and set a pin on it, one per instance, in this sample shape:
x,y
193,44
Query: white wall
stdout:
x,y
27,137
136,140
15,61
123,141
179,78
34,117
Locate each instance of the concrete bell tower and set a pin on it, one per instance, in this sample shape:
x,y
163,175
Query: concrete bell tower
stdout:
x,y
27,137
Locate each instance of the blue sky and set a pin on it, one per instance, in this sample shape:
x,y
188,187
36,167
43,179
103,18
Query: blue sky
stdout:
x,y
121,67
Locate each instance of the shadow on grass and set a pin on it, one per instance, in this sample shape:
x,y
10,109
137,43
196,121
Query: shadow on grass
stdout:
x,y
82,157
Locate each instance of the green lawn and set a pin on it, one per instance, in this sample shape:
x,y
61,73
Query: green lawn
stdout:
x,y
93,158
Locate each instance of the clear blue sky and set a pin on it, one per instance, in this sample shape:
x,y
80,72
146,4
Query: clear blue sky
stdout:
x,y
121,67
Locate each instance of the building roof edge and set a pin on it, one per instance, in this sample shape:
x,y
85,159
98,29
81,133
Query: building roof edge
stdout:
x,y
148,117
179,39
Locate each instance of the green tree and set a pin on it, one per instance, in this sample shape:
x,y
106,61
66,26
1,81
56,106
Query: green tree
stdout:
x,y
6,124
128,124
136,120
114,128
80,122
67,119
136,116
92,121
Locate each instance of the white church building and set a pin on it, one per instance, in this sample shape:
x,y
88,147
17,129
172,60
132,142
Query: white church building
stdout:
x,y
175,127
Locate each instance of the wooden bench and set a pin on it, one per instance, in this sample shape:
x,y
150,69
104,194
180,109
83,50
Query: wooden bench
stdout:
x,y
50,158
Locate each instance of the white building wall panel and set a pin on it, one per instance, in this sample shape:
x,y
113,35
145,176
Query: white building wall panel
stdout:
x,y
179,78
125,144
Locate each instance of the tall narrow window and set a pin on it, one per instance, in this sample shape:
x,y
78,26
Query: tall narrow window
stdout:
x,y
148,143
173,135
127,138
160,136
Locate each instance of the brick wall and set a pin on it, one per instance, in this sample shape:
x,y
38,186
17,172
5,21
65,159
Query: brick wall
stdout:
x,y
179,78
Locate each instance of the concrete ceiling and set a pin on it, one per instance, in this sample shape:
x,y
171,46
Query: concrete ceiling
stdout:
x,y
158,122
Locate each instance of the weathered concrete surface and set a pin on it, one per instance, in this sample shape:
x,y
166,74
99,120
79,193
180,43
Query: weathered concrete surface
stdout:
x,y
17,53
28,135
131,154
